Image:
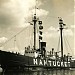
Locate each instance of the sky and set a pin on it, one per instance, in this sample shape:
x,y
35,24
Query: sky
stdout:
x,y
15,16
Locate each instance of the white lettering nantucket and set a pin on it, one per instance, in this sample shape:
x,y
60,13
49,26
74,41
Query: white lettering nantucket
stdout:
x,y
35,61
40,63
45,62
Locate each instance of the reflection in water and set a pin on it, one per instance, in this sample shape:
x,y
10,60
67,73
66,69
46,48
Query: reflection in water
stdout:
x,y
44,72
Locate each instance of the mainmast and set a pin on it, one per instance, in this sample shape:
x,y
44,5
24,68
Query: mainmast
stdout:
x,y
61,35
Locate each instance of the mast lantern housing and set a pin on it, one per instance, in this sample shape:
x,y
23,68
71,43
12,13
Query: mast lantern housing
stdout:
x,y
40,27
40,22
60,21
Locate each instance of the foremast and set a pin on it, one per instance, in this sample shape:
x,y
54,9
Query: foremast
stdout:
x,y
34,21
42,45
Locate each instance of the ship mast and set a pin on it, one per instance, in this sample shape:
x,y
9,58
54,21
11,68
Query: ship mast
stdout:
x,y
61,35
34,21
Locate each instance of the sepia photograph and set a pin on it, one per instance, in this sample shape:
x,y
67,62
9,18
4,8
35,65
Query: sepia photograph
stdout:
x,y
37,37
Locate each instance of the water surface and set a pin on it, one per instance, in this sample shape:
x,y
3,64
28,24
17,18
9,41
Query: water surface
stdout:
x,y
44,72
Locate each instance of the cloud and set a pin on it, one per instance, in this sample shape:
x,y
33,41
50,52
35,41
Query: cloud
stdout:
x,y
3,40
73,26
51,28
68,32
54,32
1,48
13,12
3,2
40,12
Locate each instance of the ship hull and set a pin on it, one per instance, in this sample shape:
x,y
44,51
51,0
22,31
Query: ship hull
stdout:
x,y
12,61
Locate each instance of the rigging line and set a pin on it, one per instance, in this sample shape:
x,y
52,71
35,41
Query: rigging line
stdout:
x,y
58,44
53,16
65,44
47,17
17,45
30,31
56,16
14,41
13,36
68,44
31,38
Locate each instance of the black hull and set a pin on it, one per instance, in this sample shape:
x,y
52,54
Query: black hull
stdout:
x,y
12,61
